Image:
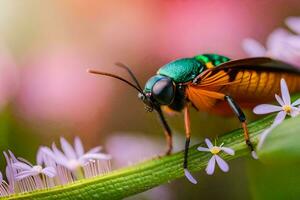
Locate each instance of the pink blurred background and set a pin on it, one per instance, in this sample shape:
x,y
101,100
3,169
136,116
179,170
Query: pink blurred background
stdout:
x,y
46,47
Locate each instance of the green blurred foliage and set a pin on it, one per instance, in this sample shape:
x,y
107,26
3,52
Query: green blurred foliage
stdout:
x,y
282,144
17,137
274,182
278,174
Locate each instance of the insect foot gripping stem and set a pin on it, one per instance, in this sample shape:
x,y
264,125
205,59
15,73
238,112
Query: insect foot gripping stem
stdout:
x,y
242,118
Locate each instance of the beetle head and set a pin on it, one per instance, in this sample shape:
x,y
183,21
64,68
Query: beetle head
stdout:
x,y
159,90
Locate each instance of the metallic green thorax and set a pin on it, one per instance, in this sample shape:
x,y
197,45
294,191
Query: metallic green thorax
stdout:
x,y
185,69
182,70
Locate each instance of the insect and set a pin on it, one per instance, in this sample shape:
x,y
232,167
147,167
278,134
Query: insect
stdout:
x,y
211,83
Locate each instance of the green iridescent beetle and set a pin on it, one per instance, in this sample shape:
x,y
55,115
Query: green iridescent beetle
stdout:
x,y
214,84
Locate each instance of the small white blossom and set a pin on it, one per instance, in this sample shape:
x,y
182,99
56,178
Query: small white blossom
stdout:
x,y
215,150
285,108
73,158
213,160
53,167
25,170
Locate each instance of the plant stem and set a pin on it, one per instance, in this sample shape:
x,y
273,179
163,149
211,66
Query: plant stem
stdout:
x,y
144,176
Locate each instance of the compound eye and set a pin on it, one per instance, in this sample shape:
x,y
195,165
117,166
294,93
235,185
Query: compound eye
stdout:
x,y
163,91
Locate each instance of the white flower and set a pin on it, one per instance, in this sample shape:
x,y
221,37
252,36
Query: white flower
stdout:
x,y
73,158
285,108
26,169
215,158
281,44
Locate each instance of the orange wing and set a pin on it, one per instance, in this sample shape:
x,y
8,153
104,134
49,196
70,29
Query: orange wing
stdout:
x,y
249,86
203,99
206,94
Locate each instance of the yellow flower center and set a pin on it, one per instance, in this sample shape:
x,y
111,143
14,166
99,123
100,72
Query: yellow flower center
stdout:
x,y
215,150
287,108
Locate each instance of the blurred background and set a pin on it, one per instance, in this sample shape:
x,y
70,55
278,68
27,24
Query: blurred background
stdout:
x,y
45,91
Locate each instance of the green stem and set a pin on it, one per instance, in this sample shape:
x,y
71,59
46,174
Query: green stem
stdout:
x,y
144,176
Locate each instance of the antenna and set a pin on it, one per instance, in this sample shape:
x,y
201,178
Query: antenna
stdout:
x,y
122,65
116,77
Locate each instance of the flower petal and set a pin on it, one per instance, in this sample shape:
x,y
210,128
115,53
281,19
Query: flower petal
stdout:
x,y
60,158
203,149
96,149
294,44
222,164
211,165
296,103
189,176
49,171
279,117
279,100
293,23
39,156
285,92
294,111
78,146
95,156
13,157
44,156
253,48
276,42
10,172
21,166
208,143
266,108
67,148
228,150
254,155
10,178
263,136
24,174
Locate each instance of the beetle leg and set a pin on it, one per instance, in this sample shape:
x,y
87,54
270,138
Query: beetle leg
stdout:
x,y
241,116
167,131
187,125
